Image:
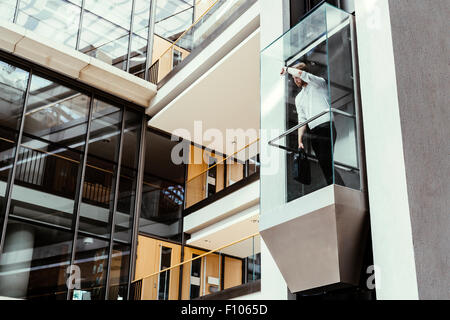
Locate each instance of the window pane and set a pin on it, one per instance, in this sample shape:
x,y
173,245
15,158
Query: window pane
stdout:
x,y
120,264
117,12
50,154
56,20
7,8
138,54
101,168
34,262
162,190
104,40
92,259
128,176
141,15
13,83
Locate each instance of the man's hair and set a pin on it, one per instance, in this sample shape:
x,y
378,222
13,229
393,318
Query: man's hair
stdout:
x,y
301,66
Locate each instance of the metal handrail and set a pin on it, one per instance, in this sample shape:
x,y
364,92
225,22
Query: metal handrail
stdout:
x,y
222,161
291,150
338,164
188,29
332,110
198,257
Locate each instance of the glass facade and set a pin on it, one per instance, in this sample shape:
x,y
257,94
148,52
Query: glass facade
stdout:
x,y
68,186
114,31
162,189
80,176
146,38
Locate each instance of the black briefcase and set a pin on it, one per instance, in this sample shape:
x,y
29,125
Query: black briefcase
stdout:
x,y
302,170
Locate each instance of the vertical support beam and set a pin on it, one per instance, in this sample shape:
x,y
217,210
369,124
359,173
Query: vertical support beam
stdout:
x,y
274,21
150,37
359,121
16,11
137,204
79,193
183,238
12,173
130,35
113,209
80,25
393,249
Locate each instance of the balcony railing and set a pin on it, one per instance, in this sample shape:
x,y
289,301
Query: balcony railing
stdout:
x,y
226,267
209,179
194,37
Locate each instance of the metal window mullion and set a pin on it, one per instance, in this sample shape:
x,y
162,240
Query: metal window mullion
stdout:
x,y
79,190
114,206
361,157
151,30
137,203
12,174
16,11
130,35
80,26
183,240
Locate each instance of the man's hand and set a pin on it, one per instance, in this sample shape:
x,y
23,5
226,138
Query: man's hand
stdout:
x,y
283,71
300,143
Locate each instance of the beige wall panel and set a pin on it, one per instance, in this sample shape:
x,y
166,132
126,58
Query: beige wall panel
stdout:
x,y
232,272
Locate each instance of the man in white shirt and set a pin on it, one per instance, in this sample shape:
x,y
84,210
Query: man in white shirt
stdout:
x,y
312,100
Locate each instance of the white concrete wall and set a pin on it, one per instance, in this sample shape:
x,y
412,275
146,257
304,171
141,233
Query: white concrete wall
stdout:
x,y
274,20
273,286
388,199
230,205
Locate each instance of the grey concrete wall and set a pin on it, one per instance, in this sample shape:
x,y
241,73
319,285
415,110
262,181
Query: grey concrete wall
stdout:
x,y
421,53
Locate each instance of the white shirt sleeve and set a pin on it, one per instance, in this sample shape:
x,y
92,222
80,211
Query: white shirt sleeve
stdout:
x,y
301,114
294,72
312,79
306,76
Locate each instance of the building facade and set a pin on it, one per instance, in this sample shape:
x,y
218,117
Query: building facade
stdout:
x,y
150,150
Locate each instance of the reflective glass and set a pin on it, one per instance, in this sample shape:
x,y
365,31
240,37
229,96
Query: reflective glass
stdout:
x,y
7,9
141,15
34,262
56,20
117,12
120,265
50,154
128,176
162,189
104,40
13,83
138,53
101,169
172,17
92,260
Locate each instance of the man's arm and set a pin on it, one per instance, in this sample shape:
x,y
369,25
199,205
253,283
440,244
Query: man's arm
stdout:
x,y
301,132
305,76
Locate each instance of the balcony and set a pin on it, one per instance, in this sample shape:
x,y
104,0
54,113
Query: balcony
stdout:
x,y
212,176
227,271
210,22
312,173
